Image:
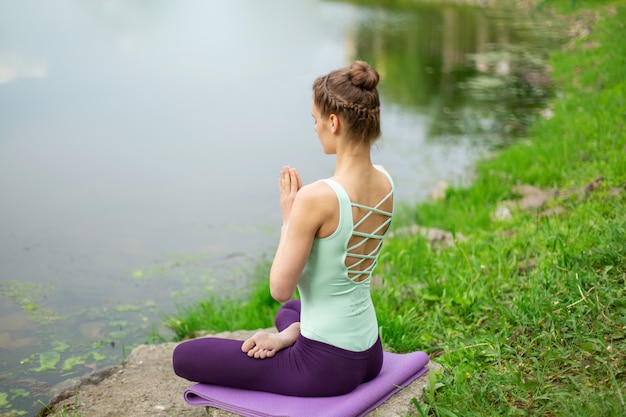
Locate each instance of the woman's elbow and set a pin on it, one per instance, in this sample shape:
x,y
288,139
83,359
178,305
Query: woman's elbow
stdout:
x,y
282,284
280,294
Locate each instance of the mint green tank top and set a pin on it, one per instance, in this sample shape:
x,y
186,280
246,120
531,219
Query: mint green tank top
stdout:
x,y
336,308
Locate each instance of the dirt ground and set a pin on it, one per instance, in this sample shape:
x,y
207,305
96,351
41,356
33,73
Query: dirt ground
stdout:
x,y
145,385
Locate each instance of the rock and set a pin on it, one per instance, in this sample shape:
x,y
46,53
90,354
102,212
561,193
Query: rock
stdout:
x,y
436,237
533,198
7,342
439,192
93,330
592,186
526,266
552,211
503,212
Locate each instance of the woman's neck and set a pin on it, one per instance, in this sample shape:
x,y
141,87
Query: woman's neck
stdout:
x,y
352,159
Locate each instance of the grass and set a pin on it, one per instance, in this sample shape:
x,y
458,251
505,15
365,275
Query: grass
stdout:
x,y
46,411
64,413
544,340
252,310
528,315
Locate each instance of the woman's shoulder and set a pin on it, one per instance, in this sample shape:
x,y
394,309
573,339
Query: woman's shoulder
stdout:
x,y
384,170
315,203
317,190
317,197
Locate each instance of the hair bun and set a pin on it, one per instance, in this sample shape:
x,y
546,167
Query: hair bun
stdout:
x,y
363,76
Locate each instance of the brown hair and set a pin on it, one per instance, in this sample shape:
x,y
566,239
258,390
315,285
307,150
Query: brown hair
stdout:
x,y
351,94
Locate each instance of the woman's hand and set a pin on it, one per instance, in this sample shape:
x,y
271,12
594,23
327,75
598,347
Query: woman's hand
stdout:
x,y
289,183
265,345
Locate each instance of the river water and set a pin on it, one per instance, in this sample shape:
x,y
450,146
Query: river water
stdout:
x,y
140,145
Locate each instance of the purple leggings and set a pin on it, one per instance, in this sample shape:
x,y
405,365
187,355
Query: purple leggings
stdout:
x,y
307,369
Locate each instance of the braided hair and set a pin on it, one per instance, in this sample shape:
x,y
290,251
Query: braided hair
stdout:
x,y
351,94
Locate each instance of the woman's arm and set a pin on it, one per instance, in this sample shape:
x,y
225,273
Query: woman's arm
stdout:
x,y
304,210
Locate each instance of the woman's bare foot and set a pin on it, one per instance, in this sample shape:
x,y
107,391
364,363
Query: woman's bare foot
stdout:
x,y
265,345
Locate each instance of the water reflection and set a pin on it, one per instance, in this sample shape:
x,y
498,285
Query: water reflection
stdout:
x,y
140,145
473,70
13,67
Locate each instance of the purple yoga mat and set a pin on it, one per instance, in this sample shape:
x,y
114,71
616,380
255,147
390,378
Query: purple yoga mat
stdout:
x,y
399,370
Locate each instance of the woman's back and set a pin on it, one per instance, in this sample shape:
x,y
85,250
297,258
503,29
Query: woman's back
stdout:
x,y
371,196
334,287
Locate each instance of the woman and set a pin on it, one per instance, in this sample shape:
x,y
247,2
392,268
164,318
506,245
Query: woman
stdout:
x,y
331,236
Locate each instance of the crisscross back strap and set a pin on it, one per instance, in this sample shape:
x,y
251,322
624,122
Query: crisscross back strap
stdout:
x,y
364,261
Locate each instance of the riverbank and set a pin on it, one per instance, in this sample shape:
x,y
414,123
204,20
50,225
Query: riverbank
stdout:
x,y
527,313
145,385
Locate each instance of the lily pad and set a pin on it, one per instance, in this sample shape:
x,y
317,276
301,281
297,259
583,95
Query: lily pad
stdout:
x,y
128,307
59,346
118,335
48,361
72,362
30,297
96,356
19,393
